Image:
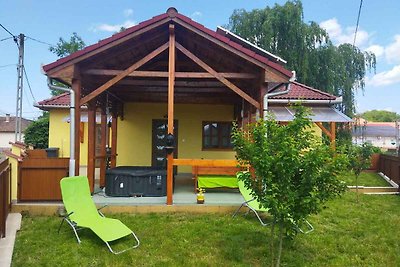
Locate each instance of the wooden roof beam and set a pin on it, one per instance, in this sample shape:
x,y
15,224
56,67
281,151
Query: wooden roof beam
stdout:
x,y
218,76
164,74
124,73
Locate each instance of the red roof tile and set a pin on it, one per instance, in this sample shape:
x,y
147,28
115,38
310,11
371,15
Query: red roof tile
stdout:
x,y
302,91
158,18
62,100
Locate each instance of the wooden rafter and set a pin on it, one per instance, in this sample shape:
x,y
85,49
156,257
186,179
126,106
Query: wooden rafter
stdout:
x,y
218,76
123,74
164,74
105,47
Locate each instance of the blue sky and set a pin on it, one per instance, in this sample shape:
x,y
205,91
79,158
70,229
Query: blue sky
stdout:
x,y
94,20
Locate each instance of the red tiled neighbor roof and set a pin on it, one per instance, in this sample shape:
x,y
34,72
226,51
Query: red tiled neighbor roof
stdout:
x,y
8,124
301,91
60,101
179,18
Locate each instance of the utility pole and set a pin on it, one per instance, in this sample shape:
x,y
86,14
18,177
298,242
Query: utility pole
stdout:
x,y
20,71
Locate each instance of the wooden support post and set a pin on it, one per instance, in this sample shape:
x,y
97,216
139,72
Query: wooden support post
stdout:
x,y
333,135
171,80
91,144
114,140
103,151
76,86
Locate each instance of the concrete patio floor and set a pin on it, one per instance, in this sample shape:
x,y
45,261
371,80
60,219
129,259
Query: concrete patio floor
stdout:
x,y
184,200
183,195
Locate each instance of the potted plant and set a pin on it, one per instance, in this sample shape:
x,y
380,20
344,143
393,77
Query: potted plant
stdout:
x,y
200,195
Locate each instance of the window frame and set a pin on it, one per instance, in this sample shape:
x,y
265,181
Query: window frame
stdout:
x,y
220,147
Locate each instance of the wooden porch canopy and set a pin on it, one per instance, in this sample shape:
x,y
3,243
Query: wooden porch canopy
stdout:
x,y
169,58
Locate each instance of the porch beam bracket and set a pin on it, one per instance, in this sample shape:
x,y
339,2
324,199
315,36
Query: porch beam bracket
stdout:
x,y
124,73
324,130
217,75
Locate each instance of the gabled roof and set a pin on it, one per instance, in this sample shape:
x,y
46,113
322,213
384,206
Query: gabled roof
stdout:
x,y
170,15
300,91
7,125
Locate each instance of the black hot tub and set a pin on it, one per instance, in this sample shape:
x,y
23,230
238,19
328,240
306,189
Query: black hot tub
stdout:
x,y
128,181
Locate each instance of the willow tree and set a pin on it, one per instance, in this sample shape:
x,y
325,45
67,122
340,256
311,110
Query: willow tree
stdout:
x,y
306,47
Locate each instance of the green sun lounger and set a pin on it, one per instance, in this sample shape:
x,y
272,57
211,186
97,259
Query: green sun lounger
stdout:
x,y
253,205
250,202
82,213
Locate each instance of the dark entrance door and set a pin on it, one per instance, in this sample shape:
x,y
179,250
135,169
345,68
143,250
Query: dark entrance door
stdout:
x,y
159,134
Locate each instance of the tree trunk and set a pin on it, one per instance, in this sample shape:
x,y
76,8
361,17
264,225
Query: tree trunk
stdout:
x,y
271,247
357,187
278,262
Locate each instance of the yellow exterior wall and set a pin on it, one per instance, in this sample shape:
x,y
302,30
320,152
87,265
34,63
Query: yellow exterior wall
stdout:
x,y
135,131
59,134
14,171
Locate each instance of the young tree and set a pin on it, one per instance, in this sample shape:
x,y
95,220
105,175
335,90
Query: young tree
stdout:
x,y
359,158
294,172
281,30
37,133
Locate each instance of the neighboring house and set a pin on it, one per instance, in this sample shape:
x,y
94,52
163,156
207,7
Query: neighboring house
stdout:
x,y
7,130
380,134
171,74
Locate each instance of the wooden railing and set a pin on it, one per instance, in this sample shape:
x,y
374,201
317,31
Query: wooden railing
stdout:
x,y
5,202
390,166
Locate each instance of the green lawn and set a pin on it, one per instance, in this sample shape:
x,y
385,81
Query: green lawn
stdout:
x,y
365,179
346,234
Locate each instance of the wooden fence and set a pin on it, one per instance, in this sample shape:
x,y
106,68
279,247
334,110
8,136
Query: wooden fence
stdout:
x,y
390,166
5,202
39,178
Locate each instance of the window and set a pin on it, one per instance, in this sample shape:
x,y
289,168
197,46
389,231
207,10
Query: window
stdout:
x,y
217,135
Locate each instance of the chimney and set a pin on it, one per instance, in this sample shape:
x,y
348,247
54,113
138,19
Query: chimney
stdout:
x,y
7,117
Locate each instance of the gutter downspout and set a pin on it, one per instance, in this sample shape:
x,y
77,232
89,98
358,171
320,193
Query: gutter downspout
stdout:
x,y
288,85
72,123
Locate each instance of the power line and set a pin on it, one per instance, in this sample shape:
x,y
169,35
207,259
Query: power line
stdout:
x,y
13,35
29,85
4,39
8,65
36,40
358,21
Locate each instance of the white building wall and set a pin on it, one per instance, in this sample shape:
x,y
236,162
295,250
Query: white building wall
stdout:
x,y
6,137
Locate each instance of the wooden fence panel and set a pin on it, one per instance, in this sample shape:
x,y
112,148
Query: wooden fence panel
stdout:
x,y
390,166
39,178
5,201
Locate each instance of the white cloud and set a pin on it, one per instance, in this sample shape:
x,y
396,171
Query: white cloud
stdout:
x,y
195,15
388,109
392,51
340,36
376,49
128,12
113,27
385,78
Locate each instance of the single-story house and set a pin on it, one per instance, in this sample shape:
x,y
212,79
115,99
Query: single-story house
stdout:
x,y
171,82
